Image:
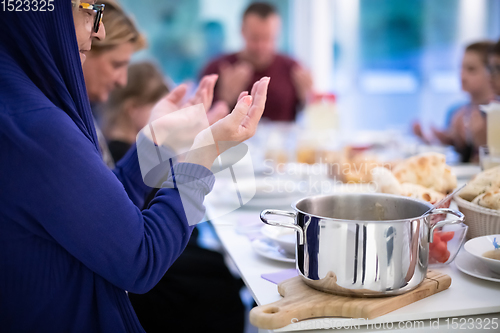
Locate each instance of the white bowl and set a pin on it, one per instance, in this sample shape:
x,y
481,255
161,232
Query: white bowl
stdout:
x,y
479,245
284,237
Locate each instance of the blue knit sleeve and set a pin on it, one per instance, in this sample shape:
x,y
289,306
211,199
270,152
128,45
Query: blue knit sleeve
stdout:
x,y
138,180
128,172
71,198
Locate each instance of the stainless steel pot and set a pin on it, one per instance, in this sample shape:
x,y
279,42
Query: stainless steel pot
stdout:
x,y
362,244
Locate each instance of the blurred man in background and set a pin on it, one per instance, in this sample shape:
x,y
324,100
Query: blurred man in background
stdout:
x,y
290,85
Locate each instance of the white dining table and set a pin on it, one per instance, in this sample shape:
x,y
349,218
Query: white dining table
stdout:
x,y
469,300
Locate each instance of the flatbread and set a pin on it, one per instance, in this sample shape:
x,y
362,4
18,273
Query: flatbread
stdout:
x,y
449,180
428,170
358,170
489,199
487,180
385,181
422,193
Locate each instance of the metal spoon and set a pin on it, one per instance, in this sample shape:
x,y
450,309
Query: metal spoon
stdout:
x,y
445,199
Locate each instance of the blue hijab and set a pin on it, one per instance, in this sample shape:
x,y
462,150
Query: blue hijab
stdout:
x,y
40,65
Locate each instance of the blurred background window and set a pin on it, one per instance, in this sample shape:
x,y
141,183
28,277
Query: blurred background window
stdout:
x,y
389,61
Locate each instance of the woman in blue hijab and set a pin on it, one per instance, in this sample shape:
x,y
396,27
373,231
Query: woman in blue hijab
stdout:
x,y
72,238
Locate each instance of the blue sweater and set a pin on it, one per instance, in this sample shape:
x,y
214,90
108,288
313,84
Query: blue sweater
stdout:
x,y
72,238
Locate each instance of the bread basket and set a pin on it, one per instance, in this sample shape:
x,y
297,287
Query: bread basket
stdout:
x,y
481,221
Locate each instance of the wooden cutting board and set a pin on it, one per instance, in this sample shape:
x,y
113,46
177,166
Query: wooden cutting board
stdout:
x,y
302,302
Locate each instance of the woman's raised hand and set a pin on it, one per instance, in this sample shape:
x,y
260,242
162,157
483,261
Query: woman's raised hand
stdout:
x,y
174,100
241,124
236,127
178,129
205,92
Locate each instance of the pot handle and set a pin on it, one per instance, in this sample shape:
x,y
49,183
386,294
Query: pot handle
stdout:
x,y
459,215
282,224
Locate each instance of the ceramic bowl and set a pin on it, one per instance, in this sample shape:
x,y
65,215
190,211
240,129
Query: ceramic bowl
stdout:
x,y
479,245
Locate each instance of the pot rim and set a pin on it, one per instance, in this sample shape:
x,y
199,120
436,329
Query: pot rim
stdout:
x,y
430,206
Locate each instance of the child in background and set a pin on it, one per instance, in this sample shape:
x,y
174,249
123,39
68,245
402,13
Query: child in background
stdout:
x,y
466,127
128,108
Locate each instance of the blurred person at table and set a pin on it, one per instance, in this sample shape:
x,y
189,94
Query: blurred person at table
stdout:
x,y
291,84
73,236
494,67
105,68
128,108
466,124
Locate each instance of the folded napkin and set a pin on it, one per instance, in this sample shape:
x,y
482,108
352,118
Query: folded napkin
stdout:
x,y
281,275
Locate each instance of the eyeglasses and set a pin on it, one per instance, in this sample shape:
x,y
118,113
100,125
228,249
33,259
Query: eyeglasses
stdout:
x,y
98,17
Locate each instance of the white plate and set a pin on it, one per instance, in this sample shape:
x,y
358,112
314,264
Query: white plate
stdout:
x,y
284,237
473,267
267,248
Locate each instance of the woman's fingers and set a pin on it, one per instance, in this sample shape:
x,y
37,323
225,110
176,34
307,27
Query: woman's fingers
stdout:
x,y
210,88
241,124
254,87
241,110
198,95
249,109
259,103
205,92
176,95
169,103
242,94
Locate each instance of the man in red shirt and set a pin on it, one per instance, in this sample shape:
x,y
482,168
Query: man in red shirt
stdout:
x,y
290,83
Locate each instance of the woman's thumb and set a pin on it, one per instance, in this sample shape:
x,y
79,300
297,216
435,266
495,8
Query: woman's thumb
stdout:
x,y
176,95
241,109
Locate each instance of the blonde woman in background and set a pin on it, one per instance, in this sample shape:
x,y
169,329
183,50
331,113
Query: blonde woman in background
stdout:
x,y
106,66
